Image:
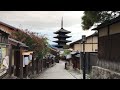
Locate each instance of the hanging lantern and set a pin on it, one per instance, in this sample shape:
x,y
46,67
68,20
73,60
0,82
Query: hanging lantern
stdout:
x,y
30,57
23,62
26,60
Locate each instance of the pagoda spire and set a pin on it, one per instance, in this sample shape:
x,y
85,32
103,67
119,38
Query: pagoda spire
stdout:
x,y
62,23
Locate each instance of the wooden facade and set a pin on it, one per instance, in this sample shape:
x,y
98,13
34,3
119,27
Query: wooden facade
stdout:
x,y
109,42
16,58
91,44
4,51
109,47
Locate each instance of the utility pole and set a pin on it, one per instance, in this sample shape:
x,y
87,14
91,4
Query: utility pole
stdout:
x,y
84,57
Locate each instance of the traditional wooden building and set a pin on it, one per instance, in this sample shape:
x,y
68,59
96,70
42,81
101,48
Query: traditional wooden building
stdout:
x,y
16,51
62,36
91,44
108,60
4,53
16,62
7,28
108,40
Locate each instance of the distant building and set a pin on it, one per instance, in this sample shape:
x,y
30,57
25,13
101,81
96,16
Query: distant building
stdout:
x,y
62,36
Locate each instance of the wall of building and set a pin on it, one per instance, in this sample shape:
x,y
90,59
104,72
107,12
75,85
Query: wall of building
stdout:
x,y
115,28
91,45
103,32
101,73
108,51
89,40
88,48
95,39
77,47
109,46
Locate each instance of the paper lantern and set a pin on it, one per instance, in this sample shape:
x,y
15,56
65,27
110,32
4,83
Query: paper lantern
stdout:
x,y
30,57
23,62
26,60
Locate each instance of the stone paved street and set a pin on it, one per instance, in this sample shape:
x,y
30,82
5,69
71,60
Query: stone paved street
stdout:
x,y
56,72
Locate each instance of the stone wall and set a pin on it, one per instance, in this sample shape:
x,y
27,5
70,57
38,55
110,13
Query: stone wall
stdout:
x,y
101,73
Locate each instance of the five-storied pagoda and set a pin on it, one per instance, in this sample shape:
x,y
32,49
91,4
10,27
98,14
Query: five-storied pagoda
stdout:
x,y
62,36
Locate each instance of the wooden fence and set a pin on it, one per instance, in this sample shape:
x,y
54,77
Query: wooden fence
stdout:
x,y
91,60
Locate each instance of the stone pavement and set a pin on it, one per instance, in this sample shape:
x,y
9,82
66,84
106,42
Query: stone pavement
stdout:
x,y
56,72
77,73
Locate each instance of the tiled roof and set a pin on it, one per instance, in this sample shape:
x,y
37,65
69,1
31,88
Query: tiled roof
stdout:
x,y
62,41
78,41
62,30
106,23
18,42
9,26
4,32
63,36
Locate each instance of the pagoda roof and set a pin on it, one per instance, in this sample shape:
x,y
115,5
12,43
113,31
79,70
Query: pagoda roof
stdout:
x,y
17,42
59,46
64,41
62,36
62,30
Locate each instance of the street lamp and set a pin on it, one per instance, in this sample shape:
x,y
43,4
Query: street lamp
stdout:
x,y
84,61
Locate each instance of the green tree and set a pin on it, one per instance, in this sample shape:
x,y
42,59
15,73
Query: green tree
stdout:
x,y
36,43
92,18
66,52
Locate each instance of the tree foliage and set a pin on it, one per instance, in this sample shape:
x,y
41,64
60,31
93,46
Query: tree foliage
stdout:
x,y
92,18
36,43
66,52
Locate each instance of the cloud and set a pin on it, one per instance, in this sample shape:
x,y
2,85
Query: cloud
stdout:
x,y
46,22
41,18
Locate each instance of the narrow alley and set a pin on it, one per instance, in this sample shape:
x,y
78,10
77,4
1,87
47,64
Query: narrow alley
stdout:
x,y
56,72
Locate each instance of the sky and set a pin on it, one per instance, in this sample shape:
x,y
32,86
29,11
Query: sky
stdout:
x,y
47,22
